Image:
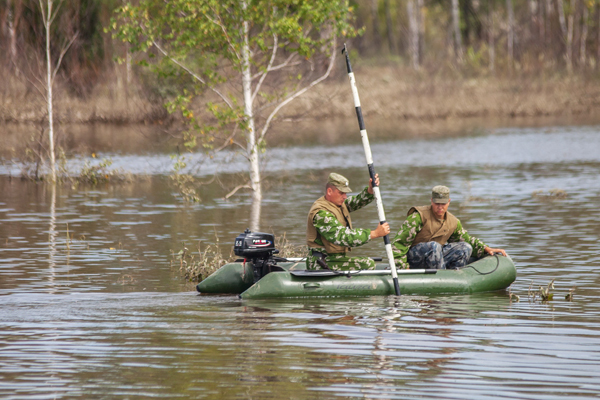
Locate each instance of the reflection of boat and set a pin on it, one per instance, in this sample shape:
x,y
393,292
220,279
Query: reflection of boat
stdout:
x,y
262,275
291,279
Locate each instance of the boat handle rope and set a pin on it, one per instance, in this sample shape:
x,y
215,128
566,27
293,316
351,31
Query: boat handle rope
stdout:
x,y
486,273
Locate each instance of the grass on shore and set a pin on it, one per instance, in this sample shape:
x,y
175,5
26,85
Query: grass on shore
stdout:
x,y
387,89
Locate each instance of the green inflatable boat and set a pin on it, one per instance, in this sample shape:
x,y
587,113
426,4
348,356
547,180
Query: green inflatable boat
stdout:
x,y
262,275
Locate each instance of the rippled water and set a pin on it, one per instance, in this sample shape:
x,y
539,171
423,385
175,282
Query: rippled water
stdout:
x,y
90,306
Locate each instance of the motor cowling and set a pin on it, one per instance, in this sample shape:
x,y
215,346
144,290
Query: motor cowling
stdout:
x,y
252,245
258,248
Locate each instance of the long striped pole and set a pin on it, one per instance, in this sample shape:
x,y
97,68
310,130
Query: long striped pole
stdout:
x,y
369,156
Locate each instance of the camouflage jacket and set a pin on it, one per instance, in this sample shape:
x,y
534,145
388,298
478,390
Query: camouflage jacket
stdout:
x,y
411,227
332,230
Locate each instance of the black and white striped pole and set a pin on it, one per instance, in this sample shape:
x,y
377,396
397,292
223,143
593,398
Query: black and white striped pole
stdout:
x,y
369,156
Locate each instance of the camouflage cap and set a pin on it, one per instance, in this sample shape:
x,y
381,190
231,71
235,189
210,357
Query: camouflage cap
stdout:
x,y
339,182
440,194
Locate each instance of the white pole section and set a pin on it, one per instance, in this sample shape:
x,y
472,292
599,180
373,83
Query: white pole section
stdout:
x,y
369,156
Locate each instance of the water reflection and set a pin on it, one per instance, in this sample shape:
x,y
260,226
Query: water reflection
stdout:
x,y
52,238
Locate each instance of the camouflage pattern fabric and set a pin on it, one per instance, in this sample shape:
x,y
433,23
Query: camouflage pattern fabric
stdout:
x,y
341,262
360,200
410,228
435,256
333,231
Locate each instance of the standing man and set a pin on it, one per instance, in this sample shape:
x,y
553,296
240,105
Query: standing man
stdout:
x,y
431,237
329,232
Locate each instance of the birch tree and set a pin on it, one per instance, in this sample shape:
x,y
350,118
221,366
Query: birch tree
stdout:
x,y
49,13
13,18
584,35
241,60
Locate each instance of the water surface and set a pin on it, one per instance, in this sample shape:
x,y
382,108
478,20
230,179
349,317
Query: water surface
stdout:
x,y
92,307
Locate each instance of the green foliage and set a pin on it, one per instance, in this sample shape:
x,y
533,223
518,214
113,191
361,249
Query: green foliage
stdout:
x,y
96,174
546,294
476,59
185,183
200,44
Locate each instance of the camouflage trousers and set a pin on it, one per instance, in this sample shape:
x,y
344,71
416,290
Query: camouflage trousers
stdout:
x,y
432,255
340,262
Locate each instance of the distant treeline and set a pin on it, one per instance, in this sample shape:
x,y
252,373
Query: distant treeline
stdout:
x,y
474,36
483,35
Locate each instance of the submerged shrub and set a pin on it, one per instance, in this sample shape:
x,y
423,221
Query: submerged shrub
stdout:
x,y
194,267
101,173
554,194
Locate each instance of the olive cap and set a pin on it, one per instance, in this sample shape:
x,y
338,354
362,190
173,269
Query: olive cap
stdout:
x,y
339,182
440,194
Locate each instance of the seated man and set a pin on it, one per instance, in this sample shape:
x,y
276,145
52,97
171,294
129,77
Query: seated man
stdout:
x,y
329,232
431,237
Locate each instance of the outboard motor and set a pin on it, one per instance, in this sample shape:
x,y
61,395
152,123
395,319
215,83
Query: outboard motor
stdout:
x,y
258,248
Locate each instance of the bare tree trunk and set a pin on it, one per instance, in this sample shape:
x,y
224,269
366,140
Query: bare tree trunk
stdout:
x,y
421,25
375,18
542,25
570,40
414,33
128,65
456,29
511,33
127,75
252,149
467,26
567,31
491,41
583,38
11,32
576,28
390,28
533,8
548,22
598,37
48,16
13,18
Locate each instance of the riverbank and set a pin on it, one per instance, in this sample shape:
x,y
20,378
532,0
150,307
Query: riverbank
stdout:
x,y
389,92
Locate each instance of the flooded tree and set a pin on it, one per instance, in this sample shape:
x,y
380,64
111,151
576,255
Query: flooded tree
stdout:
x,y
231,66
49,10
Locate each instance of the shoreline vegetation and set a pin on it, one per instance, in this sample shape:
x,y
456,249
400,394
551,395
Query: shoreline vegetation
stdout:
x,y
422,67
390,92
272,75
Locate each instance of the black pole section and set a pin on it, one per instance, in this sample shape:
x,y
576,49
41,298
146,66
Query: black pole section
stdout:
x,y
369,156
